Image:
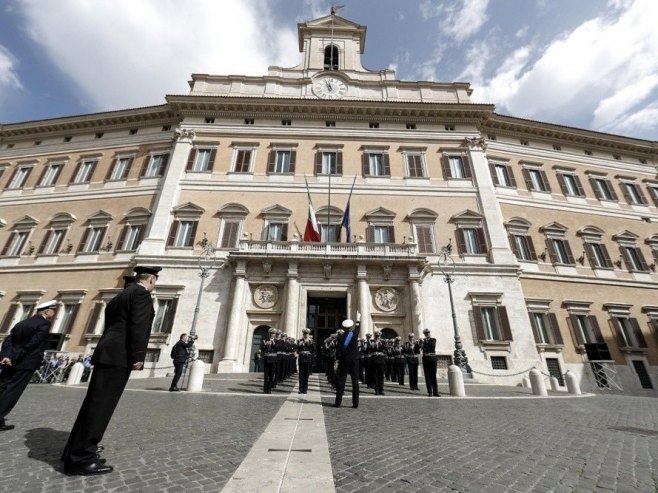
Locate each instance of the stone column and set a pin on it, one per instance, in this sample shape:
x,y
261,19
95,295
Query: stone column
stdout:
x,y
155,240
292,302
229,362
417,318
499,249
364,299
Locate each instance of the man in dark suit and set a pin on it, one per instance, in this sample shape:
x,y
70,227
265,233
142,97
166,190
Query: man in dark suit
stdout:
x,y
179,354
121,349
348,360
21,355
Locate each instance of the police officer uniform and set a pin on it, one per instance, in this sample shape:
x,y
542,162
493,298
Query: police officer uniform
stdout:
x,y
305,350
268,350
378,361
429,364
411,350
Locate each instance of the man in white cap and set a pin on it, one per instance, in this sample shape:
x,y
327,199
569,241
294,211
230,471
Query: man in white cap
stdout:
x,y
348,360
21,355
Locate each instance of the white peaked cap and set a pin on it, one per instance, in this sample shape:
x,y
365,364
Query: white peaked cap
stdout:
x,y
46,304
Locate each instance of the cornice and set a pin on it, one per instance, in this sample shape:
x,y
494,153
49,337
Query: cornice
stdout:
x,y
508,125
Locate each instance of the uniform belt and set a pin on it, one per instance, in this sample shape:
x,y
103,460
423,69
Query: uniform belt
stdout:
x,y
379,354
429,354
305,352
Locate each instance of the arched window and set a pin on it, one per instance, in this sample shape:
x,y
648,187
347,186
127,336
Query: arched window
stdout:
x,y
331,58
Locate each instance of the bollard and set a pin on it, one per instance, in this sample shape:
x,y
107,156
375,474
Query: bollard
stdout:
x,y
197,370
456,381
573,387
525,382
537,383
75,375
555,385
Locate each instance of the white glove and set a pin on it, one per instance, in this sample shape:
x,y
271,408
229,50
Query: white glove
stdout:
x,y
358,316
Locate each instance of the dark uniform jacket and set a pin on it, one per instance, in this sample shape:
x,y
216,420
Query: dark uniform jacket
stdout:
x,y
179,352
128,319
352,349
26,342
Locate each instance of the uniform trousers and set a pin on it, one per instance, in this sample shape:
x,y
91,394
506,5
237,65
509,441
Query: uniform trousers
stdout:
x,y
12,385
269,374
429,368
412,363
378,369
178,371
105,389
304,372
346,366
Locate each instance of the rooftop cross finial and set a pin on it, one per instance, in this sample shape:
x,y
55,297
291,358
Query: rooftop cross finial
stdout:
x,y
336,8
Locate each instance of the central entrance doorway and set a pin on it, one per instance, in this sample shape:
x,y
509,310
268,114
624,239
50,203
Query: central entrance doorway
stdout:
x,y
324,316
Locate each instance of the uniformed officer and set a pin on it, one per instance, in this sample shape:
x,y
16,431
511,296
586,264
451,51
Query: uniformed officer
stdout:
x,y
378,360
367,361
348,360
411,350
330,359
429,363
305,350
398,362
268,350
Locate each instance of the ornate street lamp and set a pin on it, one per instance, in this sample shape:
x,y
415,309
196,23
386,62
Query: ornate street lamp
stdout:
x,y
447,268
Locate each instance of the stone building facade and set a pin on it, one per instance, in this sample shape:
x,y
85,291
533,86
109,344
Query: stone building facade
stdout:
x,y
552,229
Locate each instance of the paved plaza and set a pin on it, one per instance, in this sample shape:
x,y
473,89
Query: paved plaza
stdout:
x,y
232,437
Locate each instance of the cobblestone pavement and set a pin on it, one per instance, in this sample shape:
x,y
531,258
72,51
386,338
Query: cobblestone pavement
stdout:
x,y
405,441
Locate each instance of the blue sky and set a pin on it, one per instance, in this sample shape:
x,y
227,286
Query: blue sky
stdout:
x,y
586,63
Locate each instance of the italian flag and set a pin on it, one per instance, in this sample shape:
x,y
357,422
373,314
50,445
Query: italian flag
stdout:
x,y
312,231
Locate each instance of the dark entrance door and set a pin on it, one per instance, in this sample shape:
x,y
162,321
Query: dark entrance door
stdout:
x,y
260,334
324,316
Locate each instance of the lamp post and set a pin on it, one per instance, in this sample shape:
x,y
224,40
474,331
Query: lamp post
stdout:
x,y
447,268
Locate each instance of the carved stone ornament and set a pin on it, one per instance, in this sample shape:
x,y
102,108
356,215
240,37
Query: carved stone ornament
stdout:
x,y
475,142
387,271
327,271
266,296
184,134
267,267
387,299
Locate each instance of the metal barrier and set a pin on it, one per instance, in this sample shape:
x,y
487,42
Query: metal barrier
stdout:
x,y
56,365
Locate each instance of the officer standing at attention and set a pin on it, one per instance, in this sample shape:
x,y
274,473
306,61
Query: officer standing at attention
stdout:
x,y
268,350
429,364
348,360
411,352
305,350
21,355
120,350
378,362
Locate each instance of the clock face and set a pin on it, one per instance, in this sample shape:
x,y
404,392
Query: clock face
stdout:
x,y
329,88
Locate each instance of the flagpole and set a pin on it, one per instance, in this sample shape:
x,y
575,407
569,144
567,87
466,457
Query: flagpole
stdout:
x,y
349,197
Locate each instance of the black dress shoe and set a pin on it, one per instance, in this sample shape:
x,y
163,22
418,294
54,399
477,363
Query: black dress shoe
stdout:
x,y
354,406
6,427
174,389
437,395
92,469
336,405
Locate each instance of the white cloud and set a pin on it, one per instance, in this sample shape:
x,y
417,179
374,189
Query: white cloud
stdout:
x,y
598,75
123,53
9,81
466,19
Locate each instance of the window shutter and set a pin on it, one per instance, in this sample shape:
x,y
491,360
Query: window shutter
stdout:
x,y
477,319
579,186
526,178
592,182
654,325
589,251
129,165
370,234
271,161
191,242
512,244
563,185
74,314
643,198
387,165
171,316
567,249
551,251
365,164
172,233
318,163
75,172
93,316
653,192
482,242
594,324
535,329
211,160
445,167
122,237
510,174
614,323
339,163
544,179
293,159
637,332
494,176
461,241
85,235
233,236
572,321
531,248
190,159
556,336
43,173
391,233
643,264
466,161
165,163
9,317
44,242
625,193
111,168
284,232
611,189
145,165
6,247
606,256
506,330
11,178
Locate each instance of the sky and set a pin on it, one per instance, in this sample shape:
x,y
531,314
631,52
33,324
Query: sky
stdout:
x,y
590,64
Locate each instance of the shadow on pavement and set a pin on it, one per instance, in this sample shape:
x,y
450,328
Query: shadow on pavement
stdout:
x,y
46,445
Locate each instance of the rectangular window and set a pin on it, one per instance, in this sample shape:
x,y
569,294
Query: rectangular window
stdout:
x,y
633,194
560,251
642,374
330,234
52,242
498,363
456,167
523,247
230,234
15,243
277,232
20,177
156,165
329,160
490,324
653,191
131,237
120,169
91,241
185,234
201,159
586,329
415,168
554,370
628,332
164,316
598,255
67,320
242,161
634,259
540,327
425,238
570,185
84,172
376,164
503,176
471,241
603,189
381,234
536,180
50,174
282,162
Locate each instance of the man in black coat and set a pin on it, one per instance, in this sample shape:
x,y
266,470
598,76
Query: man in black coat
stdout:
x,y
21,355
179,354
348,360
121,349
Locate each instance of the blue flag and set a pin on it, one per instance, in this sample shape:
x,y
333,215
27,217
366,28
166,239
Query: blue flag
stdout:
x,y
348,338
346,223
